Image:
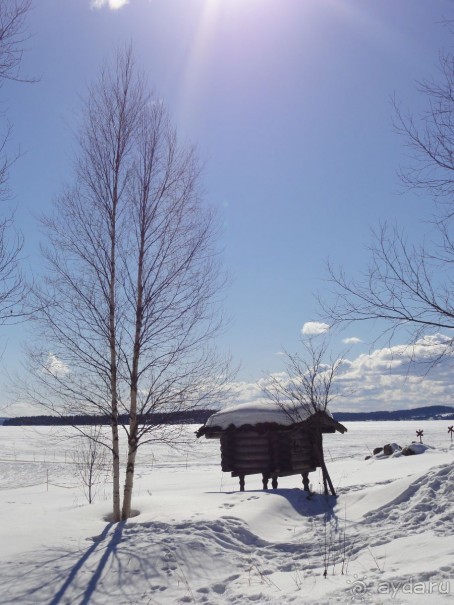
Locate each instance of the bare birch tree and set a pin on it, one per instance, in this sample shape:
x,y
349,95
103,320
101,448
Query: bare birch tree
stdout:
x,y
80,305
129,310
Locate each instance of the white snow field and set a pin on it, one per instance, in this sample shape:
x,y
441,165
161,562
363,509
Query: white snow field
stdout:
x,y
387,538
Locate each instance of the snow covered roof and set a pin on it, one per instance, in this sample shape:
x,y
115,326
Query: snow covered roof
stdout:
x,y
257,413
251,413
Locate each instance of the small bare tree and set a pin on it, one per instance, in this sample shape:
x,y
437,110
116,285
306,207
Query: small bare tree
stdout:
x,y
90,461
308,384
305,389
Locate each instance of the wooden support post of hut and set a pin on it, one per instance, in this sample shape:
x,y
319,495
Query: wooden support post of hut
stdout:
x,y
265,439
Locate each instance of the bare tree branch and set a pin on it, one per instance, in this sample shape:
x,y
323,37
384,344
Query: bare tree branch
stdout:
x,y
411,285
307,385
13,35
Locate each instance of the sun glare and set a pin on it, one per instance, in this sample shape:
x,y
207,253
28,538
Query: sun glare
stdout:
x,y
210,15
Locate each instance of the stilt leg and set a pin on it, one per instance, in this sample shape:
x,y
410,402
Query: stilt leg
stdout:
x,y
325,484
305,481
265,479
327,480
241,477
274,482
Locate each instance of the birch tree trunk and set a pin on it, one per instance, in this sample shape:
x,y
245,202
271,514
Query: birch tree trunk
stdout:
x,y
133,424
130,470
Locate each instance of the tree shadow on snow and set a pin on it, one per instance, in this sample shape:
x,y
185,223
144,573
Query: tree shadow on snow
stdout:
x,y
60,577
109,550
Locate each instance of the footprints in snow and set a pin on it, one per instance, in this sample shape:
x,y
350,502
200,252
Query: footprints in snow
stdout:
x,y
218,588
229,505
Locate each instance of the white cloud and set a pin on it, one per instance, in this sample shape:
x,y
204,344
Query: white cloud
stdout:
x,y
56,366
390,378
352,340
313,328
112,4
400,377
246,392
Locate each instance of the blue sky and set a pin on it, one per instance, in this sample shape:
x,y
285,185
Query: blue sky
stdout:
x,y
289,104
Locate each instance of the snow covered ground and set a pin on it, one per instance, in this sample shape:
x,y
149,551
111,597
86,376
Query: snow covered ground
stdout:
x,y
387,538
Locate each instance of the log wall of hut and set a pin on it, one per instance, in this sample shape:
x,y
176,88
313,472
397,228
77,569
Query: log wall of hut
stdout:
x,y
249,452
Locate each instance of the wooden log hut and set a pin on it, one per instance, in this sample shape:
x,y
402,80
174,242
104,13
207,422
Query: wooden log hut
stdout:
x,y
264,439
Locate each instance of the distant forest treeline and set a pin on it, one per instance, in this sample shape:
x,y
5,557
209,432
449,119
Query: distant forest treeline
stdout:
x,y
431,412
188,417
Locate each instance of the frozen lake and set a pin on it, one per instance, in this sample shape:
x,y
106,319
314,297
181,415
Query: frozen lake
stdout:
x,y
28,452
